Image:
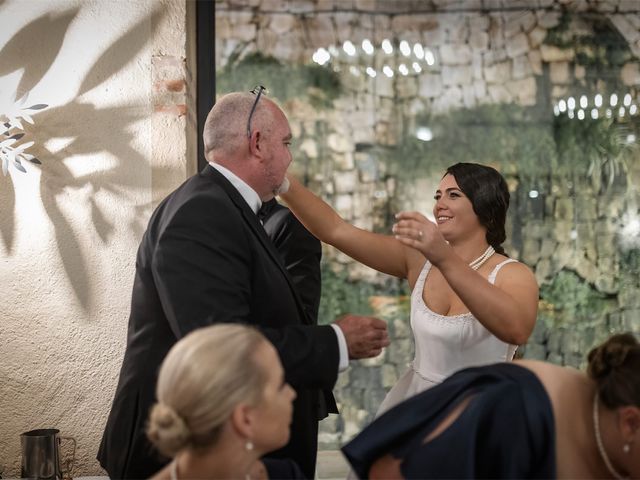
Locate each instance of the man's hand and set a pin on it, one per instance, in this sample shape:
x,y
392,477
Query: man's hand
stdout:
x,y
365,336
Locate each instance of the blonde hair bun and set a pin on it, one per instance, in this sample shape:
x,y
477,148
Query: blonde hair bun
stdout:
x,y
167,430
202,379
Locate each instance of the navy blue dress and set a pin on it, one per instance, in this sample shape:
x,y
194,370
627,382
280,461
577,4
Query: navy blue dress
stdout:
x,y
505,431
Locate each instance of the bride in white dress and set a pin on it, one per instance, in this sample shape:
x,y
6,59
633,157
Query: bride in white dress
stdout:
x,y
470,304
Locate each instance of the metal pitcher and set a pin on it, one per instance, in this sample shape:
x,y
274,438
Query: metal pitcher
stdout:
x,y
41,454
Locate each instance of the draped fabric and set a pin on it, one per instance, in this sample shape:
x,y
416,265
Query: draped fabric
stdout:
x,y
505,431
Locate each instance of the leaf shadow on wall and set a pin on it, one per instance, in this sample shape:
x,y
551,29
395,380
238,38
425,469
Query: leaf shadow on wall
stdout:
x,y
22,45
37,45
89,130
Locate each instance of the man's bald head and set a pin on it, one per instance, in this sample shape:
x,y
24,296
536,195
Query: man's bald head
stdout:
x,y
225,131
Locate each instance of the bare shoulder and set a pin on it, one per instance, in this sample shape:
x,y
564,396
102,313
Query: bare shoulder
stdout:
x,y
551,375
514,271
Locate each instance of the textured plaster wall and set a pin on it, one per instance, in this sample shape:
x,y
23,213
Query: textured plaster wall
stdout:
x,y
117,136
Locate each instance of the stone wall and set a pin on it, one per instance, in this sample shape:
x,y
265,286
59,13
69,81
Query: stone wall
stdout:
x,y
500,71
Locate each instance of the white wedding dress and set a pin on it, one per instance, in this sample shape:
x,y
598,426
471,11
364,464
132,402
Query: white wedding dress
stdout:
x,y
444,344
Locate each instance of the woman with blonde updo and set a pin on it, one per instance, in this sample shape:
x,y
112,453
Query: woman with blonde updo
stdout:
x,y
222,404
525,419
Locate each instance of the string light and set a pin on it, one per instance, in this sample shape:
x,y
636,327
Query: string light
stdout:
x,y
580,108
369,58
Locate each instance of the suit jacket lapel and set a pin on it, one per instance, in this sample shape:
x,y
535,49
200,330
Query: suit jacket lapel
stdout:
x,y
254,224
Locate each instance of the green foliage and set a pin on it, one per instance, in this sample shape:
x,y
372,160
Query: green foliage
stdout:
x,y
559,35
630,262
597,149
573,299
505,136
320,86
517,139
341,295
598,45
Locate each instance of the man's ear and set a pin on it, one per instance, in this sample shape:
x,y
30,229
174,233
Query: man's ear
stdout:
x,y
243,421
255,143
629,422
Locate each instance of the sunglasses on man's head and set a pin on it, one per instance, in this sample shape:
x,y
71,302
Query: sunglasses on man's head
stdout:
x,y
257,91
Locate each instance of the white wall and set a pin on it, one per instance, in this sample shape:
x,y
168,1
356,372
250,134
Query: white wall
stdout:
x,y
113,141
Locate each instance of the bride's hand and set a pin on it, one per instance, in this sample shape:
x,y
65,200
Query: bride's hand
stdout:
x,y
416,231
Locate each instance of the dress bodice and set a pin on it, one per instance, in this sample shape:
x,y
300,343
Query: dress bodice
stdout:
x,y
445,344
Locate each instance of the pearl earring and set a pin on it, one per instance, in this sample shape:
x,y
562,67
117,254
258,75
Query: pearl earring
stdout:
x,y
626,448
248,446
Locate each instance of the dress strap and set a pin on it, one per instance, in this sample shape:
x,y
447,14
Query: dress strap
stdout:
x,y
496,269
419,286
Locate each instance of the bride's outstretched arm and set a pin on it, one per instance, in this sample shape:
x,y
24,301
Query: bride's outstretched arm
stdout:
x,y
380,252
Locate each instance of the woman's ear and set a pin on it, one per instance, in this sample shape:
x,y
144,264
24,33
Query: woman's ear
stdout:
x,y
243,420
629,422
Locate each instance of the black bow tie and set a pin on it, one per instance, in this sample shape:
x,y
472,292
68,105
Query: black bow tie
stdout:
x,y
262,212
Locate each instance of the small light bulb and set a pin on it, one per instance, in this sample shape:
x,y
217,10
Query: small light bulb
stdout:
x,y
583,101
597,100
429,58
405,49
562,106
367,46
349,48
613,101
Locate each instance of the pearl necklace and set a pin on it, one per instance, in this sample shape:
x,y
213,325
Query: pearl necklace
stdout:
x,y
603,453
478,262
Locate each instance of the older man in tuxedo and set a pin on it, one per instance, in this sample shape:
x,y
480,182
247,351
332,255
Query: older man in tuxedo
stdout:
x,y
205,258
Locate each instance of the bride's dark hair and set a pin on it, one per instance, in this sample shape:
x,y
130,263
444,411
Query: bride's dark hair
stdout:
x,y
489,195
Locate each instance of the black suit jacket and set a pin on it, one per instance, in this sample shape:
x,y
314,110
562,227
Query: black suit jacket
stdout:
x,y
205,259
299,251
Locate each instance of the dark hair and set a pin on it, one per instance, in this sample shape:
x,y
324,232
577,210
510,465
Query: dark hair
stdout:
x,y
615,367
489,196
